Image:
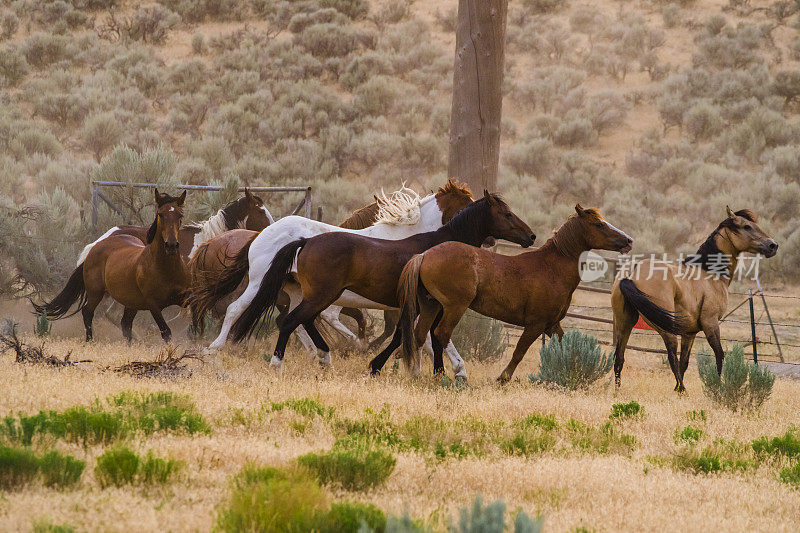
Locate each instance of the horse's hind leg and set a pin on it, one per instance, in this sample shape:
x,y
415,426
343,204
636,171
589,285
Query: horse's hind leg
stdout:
x,y
686,348
379,360
166,333
305,313
442,330
671,343
390,320
319,342
625,318
127,323
93,299
360,317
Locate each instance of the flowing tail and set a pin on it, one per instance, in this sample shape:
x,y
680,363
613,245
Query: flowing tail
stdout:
x,y
660,317
58,307
408,298
268,291
206,291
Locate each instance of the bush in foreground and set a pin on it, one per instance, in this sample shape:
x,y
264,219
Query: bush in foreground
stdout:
x,y
741,386
20,467
355,464
491,519
122,466
574,362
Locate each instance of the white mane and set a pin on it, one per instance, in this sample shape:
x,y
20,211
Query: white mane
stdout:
x,y
400,208
212,227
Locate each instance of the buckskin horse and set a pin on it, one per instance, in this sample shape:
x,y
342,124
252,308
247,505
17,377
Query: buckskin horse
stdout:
x,y
687,298
139,276
253,261
532,289
359,271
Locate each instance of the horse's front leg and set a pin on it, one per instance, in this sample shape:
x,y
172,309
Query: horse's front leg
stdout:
x,y
166,333
711,330
530,334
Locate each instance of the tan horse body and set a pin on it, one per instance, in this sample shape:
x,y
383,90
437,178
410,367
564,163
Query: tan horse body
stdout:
x,y
681,301
141,277
533,289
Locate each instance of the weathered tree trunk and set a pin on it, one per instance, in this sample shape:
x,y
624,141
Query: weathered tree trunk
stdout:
x,y
477,93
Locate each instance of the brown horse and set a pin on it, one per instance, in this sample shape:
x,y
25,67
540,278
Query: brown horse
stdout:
x,y
330,264
140,276
687,298
248,212
533,289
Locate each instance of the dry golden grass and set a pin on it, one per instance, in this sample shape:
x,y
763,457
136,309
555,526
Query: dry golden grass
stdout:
x,y
602,492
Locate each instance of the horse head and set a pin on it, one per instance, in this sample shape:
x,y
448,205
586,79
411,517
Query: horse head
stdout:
x,y
169,214
741,231
505,224
600,234
452,198
254,213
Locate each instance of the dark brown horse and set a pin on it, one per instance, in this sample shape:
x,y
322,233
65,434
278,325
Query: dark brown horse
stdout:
x,y
330,264
687,298
212,257
532,289
139,276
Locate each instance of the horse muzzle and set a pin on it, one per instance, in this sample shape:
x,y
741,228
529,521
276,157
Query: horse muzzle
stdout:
x,y
626,247
769,248
171,248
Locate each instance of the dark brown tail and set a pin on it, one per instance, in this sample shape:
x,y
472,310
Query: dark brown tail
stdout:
x,y
206,292
268,291
407,296
660,317
58,307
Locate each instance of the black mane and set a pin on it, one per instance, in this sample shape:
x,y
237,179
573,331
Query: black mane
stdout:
x,y
151,233
469,225
709,253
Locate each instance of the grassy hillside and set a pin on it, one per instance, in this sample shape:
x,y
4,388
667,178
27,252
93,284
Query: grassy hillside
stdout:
x,y
658,113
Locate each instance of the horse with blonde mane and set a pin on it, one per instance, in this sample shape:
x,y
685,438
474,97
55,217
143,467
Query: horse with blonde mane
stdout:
x,y
254,260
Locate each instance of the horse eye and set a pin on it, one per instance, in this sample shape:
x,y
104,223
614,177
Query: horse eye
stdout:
x,y
599,224
748,227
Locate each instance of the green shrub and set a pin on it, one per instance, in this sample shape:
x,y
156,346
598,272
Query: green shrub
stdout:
x,y
574,132
42,326
329,40
543,6
787,445
101,132
545,422
43,49
18,467
355,9
355,464
268,499
533,157
631,409
121,466
199,44
45,526
721,456
791,474
60,470
373,426
117,467
741,386
350,517
689,435
305,407
603,439
528,441
492,519
573,362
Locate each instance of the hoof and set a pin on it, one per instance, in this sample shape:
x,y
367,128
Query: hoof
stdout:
x,y
276,365
325,360
502,380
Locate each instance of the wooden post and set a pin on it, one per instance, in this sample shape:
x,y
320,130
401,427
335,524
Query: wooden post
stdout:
x,y
307,200
95,188
753,326
477,93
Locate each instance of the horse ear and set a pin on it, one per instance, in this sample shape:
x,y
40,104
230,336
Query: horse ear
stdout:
x,y
248,194
579,209
158,196
182,198
489,197
729,212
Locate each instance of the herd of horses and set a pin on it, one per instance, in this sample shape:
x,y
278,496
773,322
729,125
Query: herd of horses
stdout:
x,y
422,261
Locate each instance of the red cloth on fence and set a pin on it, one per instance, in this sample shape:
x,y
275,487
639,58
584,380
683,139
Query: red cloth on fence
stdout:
x,y
641,324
